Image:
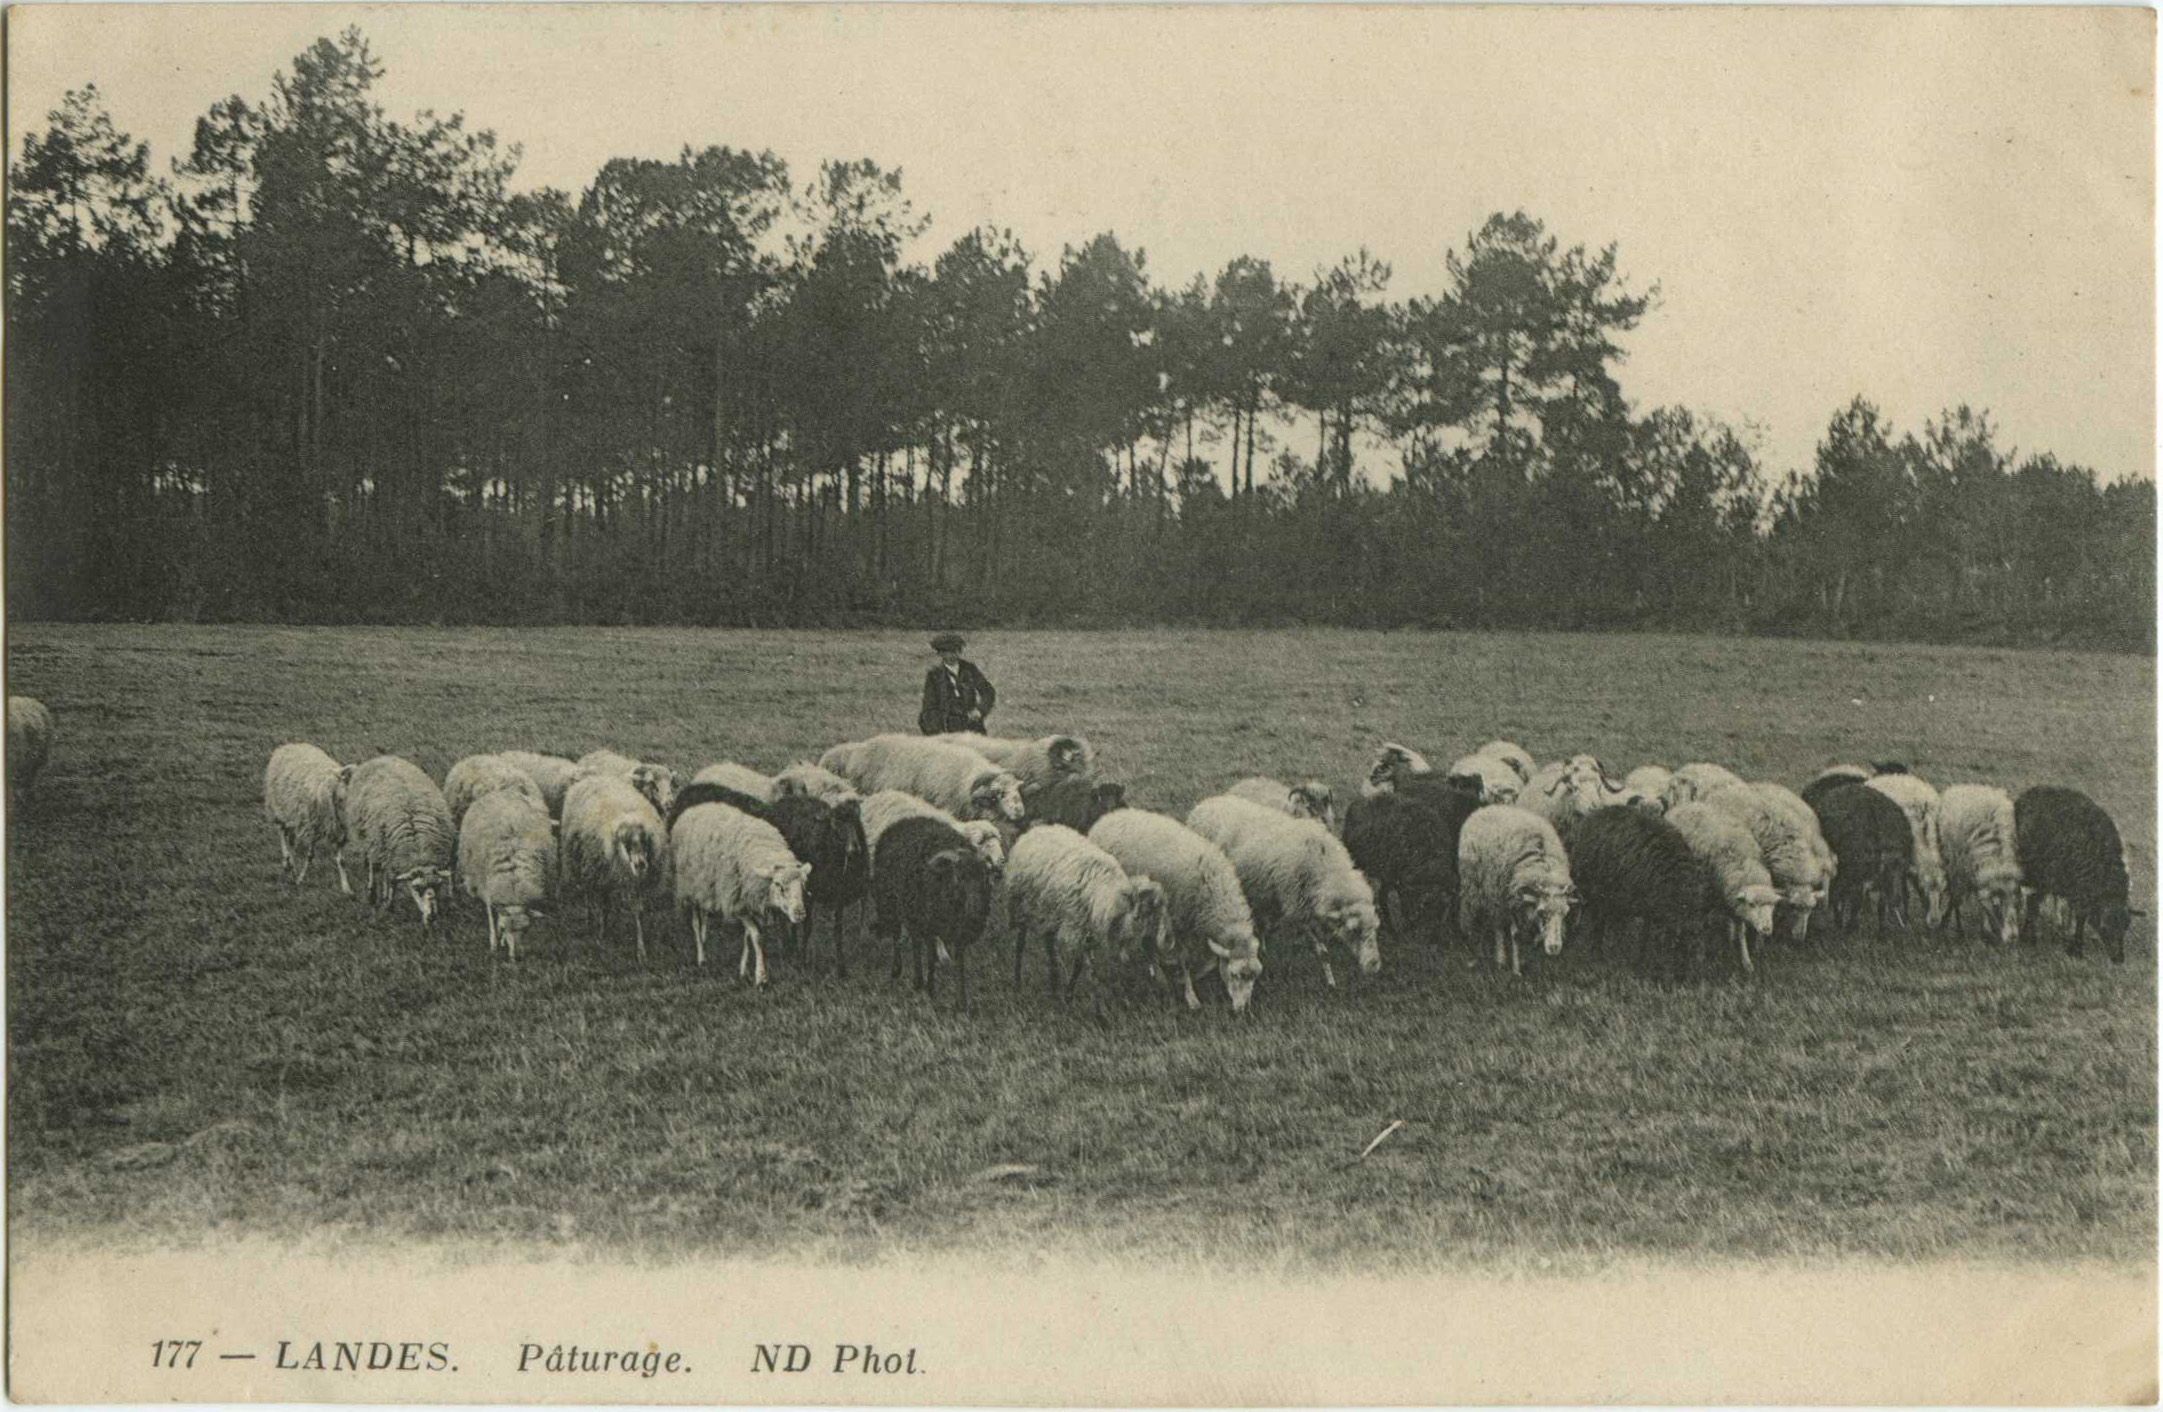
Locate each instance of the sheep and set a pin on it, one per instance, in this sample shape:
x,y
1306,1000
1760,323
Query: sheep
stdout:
x,y
1920,803
1496,778
803,777
1695,781
928,882
1872,843
477,776
1036,763
2069,848
887,807
741,778
1209,923
551,774
1978,838
397,818
1791,848
1569,788
1802,821
1311,800
1831,778
304,797
954,777
1296,872
1393,764
1406,845
738,868
1511,754
614,846
30,742
507,859
1647,786
828,837
1629,864
1512,877
656,782
1064,888
1741,886
1074,800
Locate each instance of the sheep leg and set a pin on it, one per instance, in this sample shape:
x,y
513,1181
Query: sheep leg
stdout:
x,y
1194,1002
345,884
306,859
1499,946
1051,960
1081,959
2027,919
285,850
698,933
2078,946
1517,966
638,924
1742,939
1021,944
490,908
758,953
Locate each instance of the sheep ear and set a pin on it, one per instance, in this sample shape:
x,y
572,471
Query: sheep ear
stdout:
x,y
345,774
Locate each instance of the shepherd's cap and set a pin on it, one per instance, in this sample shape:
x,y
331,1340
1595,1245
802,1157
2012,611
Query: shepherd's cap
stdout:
x,y
948,642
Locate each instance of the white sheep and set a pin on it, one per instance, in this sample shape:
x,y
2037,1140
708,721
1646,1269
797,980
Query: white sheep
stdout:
x,y
30,742
1694,781
1512,879
1036,763
1499,781
613,846
886,807
824,785
507,859
954,777
1209,924
1745,889
1980,850
1920,803
737,868
656,782
551,774
396,817
741,778
1647,785
1393,762
1509,753
1295,872
1312,800
1803,821
477,776
1077,897
304,793
1569,789
1788,842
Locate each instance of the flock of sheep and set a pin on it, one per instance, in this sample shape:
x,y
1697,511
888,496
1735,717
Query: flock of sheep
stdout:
x,y
933,830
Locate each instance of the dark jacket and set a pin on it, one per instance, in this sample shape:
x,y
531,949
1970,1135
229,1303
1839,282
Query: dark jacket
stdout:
x,y
952,706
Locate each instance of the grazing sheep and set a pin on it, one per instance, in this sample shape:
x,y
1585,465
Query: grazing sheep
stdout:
x,y
887,807
551,774
1741,886
1064,888
1978,838
928,882
1074,800
1210,926
1629,864
614,847
477,776
1497,779
1512,879
1870,838
1694,781
1831,778
1295,872
803,777
656,782
1312,800
1791,847
2069,848
304,793
397,818
1393,764
1406,845
507,859
1920,803
1569,788
1647,785
1036,763
30,742
1802,822
741,778
954,777
828,837
738,868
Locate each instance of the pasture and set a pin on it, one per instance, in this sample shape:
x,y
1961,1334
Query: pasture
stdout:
x,y
197,1047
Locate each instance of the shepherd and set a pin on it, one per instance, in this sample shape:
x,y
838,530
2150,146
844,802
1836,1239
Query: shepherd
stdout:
x,y
956,695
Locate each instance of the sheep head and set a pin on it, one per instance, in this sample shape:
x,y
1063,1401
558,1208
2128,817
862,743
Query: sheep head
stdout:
x,y
1357,927
984,837
1238,965
1541,906
2001,897
785,888
1067,755
1313,800
422,884
658,784
512,919
995,795
1394,762
1103,799
1754,905
1139,919
961,889
632,847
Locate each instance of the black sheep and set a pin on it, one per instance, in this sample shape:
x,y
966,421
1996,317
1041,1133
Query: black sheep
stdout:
x,y
1405,842
928,881
1077,801
1626,862
1826,783
2069,848
1873,844
830,837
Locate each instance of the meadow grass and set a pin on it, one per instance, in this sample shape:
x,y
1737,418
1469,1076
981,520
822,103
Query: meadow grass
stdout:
x,y
196,1047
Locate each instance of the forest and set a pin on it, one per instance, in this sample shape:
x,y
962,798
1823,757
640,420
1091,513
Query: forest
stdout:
x,y
331,367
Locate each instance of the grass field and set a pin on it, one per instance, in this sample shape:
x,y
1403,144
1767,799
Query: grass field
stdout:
x,y
196,1047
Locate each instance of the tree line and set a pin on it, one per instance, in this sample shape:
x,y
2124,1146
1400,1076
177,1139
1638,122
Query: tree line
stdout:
x,y
333,367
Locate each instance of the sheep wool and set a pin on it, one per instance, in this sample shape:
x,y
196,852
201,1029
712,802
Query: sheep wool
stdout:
x,y
1077,801
656,782
1978,840
1739,877
1870,839
1831,778
1569,789
479,775
1512,878
1393,764
887,807
803,777
30,742
1074,895
1405,844
397,818
1794,859
1511,754
507,859
1694,781
614,849
954,777
1312,800
304,797
1647,786
2070,848
1209,923
737,777
1920,803
1036,763
1295,872
739,869
1497,778
551,774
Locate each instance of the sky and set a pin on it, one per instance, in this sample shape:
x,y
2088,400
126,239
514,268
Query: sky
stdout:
x,y
1925,207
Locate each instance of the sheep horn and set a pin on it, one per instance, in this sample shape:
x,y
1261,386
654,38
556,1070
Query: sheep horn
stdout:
x,y
1220,950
